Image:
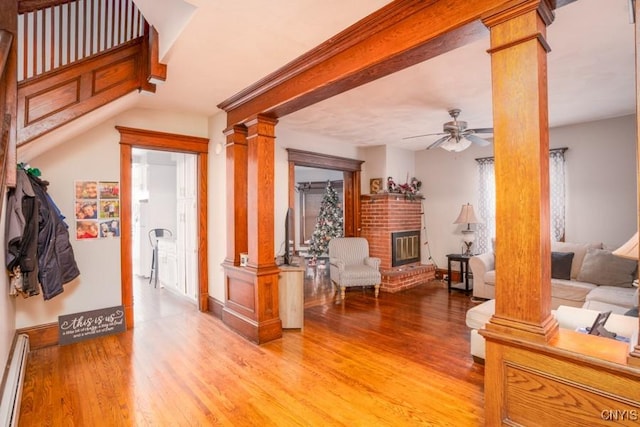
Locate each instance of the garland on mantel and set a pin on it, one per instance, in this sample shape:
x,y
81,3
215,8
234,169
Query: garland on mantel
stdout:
x,y
410,189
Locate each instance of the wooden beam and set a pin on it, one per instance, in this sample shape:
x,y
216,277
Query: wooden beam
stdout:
x,y
401,34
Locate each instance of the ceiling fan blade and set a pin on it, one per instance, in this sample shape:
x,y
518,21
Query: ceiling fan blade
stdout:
x,y
482,130
477,140
426,134
439,142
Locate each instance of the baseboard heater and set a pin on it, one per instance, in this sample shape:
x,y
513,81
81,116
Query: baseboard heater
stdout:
x,y
13,380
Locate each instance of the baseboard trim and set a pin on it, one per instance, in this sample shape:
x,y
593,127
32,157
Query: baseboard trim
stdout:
x,y
41,336
216,307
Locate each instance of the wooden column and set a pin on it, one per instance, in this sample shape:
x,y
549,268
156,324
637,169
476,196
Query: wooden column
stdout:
x,y
251,305
521,144
236,151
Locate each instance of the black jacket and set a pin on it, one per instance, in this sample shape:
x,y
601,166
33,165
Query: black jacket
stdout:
x,y
56,263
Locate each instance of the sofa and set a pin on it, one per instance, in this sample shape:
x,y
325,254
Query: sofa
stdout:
x,y
568,317
584,275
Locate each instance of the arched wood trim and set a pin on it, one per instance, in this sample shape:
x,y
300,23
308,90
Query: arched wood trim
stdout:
x,y
351,169
139,138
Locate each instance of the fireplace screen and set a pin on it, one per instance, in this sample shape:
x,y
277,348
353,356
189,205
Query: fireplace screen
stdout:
x,y
405,247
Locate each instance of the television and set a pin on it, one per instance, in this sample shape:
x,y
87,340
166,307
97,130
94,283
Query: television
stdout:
x,y
289,235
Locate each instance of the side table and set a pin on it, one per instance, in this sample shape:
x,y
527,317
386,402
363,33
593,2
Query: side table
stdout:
x,y
463,260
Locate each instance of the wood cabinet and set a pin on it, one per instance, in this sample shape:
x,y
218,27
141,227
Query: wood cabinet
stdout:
x,y
291,297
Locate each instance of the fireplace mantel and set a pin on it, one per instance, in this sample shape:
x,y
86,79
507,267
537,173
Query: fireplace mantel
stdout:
x,y
372,198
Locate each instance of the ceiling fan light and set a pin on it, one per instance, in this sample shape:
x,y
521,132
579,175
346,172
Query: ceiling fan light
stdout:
x,y
456,146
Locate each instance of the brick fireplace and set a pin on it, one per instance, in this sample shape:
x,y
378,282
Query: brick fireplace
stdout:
x,y
393,225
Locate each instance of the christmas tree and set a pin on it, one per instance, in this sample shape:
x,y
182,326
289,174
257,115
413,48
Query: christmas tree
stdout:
x,y
329,223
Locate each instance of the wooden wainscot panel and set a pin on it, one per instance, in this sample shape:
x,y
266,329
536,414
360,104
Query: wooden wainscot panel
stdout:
x,y
112,75
101,78
554,385
532,396
52,100
241,292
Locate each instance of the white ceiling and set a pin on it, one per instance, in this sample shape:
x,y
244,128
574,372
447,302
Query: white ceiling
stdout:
x,y
214,49
590,72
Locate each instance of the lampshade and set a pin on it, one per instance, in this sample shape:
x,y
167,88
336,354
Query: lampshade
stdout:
x,y
467,215
456,146
629,249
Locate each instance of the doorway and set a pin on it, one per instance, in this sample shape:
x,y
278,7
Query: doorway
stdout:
x,y
131,139
164,219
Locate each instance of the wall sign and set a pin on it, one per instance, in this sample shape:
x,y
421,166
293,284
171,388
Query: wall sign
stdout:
x,y
90,324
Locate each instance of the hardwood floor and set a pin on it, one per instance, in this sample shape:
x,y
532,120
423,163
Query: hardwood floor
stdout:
x,y
399,360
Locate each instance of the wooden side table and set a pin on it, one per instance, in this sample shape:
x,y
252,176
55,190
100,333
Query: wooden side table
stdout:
x,y
463,260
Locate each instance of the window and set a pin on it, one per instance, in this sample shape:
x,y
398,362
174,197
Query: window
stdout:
x,y
311,194
487,199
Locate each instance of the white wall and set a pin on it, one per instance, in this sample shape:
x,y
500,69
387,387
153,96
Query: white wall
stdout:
x,y
374,166
449,180
93,155
601,180
601,185
400,165
384,162
217,206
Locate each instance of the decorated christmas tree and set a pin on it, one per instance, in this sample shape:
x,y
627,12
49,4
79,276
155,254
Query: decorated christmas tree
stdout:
x,y
329,223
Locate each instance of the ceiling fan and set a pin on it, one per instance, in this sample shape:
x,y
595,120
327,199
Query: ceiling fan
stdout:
x,y
457,136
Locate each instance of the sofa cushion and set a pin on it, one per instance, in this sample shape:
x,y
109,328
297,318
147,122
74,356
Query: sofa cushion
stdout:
x,y
579,251
601,267
561,265
571,290
615,295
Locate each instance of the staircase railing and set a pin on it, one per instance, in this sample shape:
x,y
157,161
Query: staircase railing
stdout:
x,y
55,33
74,56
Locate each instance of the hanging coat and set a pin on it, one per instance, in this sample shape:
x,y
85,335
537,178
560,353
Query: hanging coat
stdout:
x,y
56,261
22,236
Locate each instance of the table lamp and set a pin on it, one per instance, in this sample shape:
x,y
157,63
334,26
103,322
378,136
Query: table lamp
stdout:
x,y
467,216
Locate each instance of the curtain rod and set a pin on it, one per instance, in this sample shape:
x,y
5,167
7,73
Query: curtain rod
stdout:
x,y
551,150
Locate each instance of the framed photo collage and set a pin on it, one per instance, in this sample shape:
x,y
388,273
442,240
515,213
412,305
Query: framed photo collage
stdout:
x,y
97,209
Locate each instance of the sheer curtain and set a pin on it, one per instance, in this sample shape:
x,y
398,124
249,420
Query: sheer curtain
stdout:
x,y
486,205
486,230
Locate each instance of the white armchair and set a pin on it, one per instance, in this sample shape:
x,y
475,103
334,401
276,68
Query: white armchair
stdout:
x,y
350,264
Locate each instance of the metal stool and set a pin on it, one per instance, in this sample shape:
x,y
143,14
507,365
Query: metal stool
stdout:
x,y
154,235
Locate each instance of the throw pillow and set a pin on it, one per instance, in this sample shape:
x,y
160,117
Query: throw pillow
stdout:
x,y
601,267
561,265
